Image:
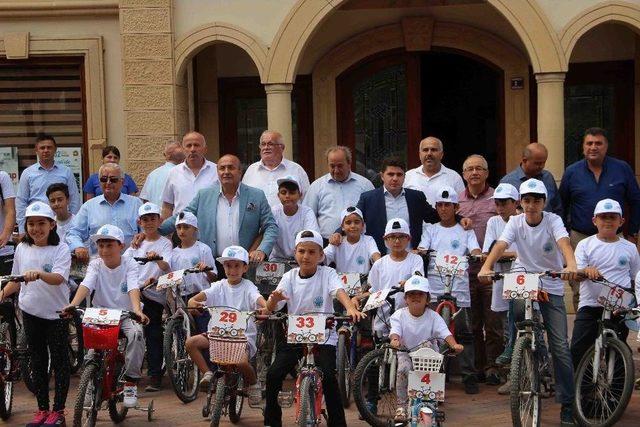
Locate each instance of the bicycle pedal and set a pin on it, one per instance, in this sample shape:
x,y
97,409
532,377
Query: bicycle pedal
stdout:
x,y
285,399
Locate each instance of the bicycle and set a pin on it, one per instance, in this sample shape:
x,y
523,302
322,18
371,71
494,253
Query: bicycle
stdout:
x,y
102,378
605,375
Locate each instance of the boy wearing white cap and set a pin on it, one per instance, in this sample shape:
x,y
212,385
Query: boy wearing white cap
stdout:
x,y
305,289
412,326
449,237
543,245
358,251
290,217
153,245
603,255
235,292
114,280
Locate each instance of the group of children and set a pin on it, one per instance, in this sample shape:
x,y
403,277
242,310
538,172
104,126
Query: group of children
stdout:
x,y
538,238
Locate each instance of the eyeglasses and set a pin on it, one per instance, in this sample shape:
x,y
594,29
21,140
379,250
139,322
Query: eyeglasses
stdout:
x,y
396,237
268,144
475,169
111,179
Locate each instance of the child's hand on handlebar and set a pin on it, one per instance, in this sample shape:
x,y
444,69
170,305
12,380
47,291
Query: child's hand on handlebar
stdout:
x,y
457,348
143,317
395,343
356,302
356,315
192,303
31,275
592,273
484,276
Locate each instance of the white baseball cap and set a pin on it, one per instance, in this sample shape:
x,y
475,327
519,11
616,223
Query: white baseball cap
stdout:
x,y
187,218
288,178
351,210
148,208
315,237
533,186
40,209
607,206
397,226
505,191
234,253
447,194
108,232
417,283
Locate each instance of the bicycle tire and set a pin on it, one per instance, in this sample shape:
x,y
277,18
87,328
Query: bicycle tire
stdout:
x,y
368,362
524,377
343,366
307,415
584,378
236,400
6,387
76,344
184,378
218,401
88,375
117,410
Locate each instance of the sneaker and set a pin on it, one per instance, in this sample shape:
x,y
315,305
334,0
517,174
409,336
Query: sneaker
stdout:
x,y
471,385
206,380
566,415
505,357
130,395
55,419
493,378
255,394
505,389
481,377
38,419
401,414
155,384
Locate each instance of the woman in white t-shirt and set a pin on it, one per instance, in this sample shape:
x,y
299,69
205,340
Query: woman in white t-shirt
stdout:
x,y
7,221
44,261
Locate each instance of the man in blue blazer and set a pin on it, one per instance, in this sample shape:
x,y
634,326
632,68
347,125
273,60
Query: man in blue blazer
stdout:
x,y
246,214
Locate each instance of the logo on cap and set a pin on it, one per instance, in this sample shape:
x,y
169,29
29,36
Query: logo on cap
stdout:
x,y
105,231
36,208
147,208
531,184
445,194
396,225
415,281
499,189
231,253
608,205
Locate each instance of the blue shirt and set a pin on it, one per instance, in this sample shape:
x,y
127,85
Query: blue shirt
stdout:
x,y
580,193
33,185
327,198
92,185
517,177
154,185
97,212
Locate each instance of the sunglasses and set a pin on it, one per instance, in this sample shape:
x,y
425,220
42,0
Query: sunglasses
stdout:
x,y
111,179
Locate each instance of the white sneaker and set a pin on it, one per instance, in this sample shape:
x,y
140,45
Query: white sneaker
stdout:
x,y
206,380
130,395
255,394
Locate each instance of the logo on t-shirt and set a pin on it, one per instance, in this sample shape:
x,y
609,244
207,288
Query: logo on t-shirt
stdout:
x,y
195,261
318,301
123,287
547,247
360,260
622,261
455,244
47,268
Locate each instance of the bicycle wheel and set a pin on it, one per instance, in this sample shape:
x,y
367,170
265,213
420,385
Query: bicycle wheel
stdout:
x,y
236,399
525,385
183,373
344,369
6,365
218,401
117,410
88,399
601,401
367,390
25,362
307,415
76,344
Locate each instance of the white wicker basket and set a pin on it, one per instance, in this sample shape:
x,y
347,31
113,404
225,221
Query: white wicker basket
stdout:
x,y
227,351
426,360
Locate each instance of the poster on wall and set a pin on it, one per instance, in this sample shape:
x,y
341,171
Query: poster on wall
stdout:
x,y
9,163
72,158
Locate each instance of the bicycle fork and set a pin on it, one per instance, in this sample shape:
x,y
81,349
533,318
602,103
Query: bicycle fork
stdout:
x,y
600,344
388,359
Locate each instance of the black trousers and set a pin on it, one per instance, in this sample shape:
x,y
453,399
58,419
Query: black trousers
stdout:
x,y
287,356
153,336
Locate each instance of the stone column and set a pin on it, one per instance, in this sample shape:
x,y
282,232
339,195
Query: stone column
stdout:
x,y
551,119
149,83
279,113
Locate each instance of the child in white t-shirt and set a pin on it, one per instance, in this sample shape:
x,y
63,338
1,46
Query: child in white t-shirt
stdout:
x,y
153,300
308,288
357,251
604,255
449,237
44,261
291,217
113,280
234,292
58,195
412,326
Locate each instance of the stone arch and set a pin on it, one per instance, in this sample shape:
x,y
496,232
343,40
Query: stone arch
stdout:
x,y
625,13
528,20
199,38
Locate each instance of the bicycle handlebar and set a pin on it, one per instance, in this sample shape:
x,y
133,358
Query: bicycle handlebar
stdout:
x,y
6,279
75,309
144,260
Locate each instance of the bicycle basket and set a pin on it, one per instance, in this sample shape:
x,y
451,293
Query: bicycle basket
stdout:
x,y
426,360
100,337
227,351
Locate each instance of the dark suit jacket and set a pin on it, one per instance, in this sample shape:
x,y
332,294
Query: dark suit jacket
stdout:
x,y
373,208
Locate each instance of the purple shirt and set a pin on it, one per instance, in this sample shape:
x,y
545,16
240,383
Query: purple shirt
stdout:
x,y
478,209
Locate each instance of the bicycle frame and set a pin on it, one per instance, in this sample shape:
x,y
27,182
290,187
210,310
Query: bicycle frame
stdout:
x,y
309,369
106,361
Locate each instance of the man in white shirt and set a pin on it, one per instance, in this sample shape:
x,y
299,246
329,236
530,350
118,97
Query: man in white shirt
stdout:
x,y
157,178
432,175
184,181
272,165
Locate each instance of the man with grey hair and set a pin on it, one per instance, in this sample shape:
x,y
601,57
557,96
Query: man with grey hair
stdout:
x,y
111,207
154,185
184,181
336,190
432,175
272,165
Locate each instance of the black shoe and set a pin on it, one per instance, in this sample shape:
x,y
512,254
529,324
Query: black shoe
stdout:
x,y
493,379
481,377
155,384
566,415
471,385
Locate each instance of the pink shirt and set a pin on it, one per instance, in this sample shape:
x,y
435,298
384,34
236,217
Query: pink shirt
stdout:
x,y
478,209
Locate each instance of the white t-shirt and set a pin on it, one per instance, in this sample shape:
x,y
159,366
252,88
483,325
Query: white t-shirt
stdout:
x,y
417,180
243,297
63,226
413,331
112,286
162,247
495,226
189,258
538,249
8,192
259,176
38,298
352,258
386,273
288,227
455,241
182,185
618,262
312,295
